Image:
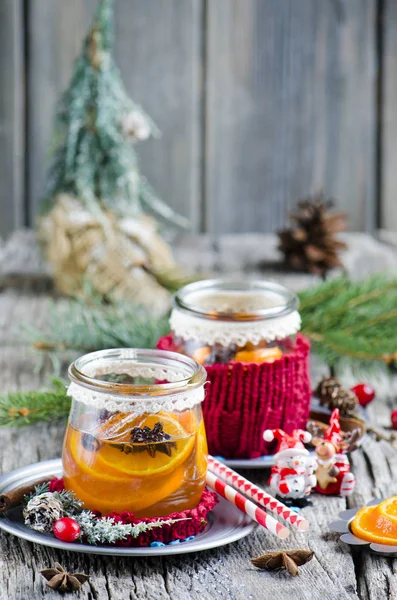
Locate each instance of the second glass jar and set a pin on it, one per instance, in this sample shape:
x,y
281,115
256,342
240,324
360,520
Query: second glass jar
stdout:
x,y
222,321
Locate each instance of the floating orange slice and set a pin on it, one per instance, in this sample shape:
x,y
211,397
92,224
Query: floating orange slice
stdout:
x,y
372,523
201,354
141,464
136,497
259,355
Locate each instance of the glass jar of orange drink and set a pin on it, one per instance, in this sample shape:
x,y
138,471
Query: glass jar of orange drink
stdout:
x,y
225,321
135,439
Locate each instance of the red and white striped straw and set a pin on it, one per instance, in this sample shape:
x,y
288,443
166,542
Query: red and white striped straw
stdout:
x,y
257,494
246,506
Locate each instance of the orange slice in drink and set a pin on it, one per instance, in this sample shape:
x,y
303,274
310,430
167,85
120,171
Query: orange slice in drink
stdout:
x,y
141,464
88,462
201,354
107,497
259,355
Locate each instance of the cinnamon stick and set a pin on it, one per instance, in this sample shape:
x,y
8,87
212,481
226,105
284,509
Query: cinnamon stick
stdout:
x,y
14,497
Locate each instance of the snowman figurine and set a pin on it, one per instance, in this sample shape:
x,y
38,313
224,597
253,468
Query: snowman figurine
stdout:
x,y
292,477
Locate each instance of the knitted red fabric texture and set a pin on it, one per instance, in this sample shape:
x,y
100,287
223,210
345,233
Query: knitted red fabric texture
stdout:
x,y
242,400
196,523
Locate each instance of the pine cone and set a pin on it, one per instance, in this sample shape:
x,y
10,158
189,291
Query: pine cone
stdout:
x,y
333,395
312,246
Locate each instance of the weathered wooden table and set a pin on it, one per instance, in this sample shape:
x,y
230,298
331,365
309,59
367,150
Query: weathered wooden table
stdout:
x,y
336,573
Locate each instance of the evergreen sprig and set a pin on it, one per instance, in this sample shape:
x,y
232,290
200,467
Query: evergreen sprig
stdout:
x,y
107,531
352,322
85,326
24,408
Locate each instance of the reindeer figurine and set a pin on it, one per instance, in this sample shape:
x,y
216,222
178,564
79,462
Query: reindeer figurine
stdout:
x,y
333,467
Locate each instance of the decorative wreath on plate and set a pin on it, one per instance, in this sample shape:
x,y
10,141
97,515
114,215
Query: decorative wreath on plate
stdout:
x,y
51,509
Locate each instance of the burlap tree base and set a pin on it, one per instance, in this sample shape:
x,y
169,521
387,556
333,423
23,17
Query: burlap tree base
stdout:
x,y
117,257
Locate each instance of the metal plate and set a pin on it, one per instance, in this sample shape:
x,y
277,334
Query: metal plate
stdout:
x,y
226,522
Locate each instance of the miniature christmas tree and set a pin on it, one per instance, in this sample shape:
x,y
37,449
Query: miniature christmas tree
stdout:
x,y
96,224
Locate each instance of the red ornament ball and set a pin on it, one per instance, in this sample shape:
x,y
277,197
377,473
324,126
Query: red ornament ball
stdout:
x,y
364,392
393,417
66,529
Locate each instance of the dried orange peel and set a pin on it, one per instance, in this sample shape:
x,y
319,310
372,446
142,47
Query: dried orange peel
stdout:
x,y
378,523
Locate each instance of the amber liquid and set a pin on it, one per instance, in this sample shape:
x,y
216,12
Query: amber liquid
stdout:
x,y
110,473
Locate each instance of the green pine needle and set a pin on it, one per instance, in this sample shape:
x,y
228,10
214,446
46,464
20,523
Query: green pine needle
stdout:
x,y
24,408
352,322
42,488
85,326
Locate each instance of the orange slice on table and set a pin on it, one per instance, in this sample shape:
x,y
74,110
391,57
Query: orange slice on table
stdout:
x,y
388,508
371,523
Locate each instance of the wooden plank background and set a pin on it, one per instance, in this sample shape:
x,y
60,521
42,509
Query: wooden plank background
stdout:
x,y
259,102
12,169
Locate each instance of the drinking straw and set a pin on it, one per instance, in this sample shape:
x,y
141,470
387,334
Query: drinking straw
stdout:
x,y
256,494
246,506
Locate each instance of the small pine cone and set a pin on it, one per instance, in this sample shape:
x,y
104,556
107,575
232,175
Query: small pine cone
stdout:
x,y
345,400
42,511
312,244
333,395
328,387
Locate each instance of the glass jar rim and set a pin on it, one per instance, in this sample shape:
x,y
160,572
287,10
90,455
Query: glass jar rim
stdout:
x,y
145,357
288,299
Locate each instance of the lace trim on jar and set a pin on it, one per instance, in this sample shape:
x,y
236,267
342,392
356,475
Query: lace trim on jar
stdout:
x,y
211,331
136,404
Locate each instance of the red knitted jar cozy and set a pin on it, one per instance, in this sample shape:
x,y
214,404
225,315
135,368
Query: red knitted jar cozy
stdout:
x,y
242,400
195,520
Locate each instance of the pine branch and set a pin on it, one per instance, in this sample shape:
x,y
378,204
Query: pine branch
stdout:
x,y
352,321
87,326
24,408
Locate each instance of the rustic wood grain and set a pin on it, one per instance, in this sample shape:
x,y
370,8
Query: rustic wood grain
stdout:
x,y
11,116
158,50
388,116
225,573
290,109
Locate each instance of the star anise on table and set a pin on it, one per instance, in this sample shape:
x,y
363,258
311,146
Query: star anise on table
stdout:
x,y
149,440
61,580
286,559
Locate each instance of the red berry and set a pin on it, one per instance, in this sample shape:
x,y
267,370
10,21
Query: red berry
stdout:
x,y
364,392
394,419
66,529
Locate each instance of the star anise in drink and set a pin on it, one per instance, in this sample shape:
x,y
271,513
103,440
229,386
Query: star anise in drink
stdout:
x,y
145,439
